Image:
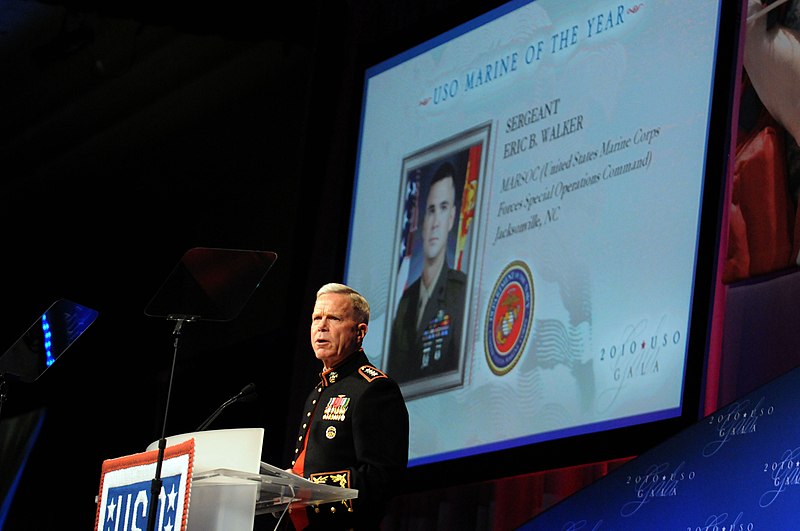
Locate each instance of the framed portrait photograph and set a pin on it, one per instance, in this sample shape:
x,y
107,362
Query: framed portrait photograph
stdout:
x,y
439,199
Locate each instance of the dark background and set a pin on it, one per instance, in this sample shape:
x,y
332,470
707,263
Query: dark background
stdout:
x,y
133,132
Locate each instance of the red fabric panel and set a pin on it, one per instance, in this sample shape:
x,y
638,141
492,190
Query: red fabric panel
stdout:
x,y
760,223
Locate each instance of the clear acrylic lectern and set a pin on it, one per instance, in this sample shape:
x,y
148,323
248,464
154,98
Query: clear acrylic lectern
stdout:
x,y
231,485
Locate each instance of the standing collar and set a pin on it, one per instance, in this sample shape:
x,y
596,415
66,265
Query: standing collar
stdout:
x,y
349,365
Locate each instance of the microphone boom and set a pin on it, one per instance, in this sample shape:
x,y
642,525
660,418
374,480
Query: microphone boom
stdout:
x,y
247,394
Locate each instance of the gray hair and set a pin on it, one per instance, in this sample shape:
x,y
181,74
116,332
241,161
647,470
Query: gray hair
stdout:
x,y
360,304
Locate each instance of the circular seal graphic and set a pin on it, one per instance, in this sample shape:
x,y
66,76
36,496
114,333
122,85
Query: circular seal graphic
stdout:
x,y
509,317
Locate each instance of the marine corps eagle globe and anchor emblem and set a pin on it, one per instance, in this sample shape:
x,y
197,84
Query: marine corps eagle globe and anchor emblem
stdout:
x,y
509,317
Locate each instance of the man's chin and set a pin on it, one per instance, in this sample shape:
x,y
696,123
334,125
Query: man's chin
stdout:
x,y
431,253
329,359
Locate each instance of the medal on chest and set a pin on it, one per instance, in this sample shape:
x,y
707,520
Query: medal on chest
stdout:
x,y
336,408
433,338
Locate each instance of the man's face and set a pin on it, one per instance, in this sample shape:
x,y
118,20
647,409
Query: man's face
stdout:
x,y
439,217
334,331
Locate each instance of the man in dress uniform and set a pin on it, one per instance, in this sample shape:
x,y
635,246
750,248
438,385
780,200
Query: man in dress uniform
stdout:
x,y
354,429
426,332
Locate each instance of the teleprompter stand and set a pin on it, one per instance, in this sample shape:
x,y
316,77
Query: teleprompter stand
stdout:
x,y
207,284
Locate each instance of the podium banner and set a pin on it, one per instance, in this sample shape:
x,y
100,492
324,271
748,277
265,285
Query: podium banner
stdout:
x,y
125,490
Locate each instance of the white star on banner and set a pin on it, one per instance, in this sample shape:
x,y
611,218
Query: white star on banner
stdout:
x,y
111,508
172,495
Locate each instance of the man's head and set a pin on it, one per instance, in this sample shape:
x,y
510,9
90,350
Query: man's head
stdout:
x,y
339,323
440,213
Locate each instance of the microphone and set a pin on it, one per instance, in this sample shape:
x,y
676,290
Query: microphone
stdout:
x,y
247,394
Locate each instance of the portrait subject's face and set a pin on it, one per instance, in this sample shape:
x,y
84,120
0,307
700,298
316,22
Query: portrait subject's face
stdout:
x,y
439,217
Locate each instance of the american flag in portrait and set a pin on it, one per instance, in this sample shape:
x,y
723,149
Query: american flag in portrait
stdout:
x,y
410,210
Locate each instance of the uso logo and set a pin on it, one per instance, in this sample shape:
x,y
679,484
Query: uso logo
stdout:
x,y
509,317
